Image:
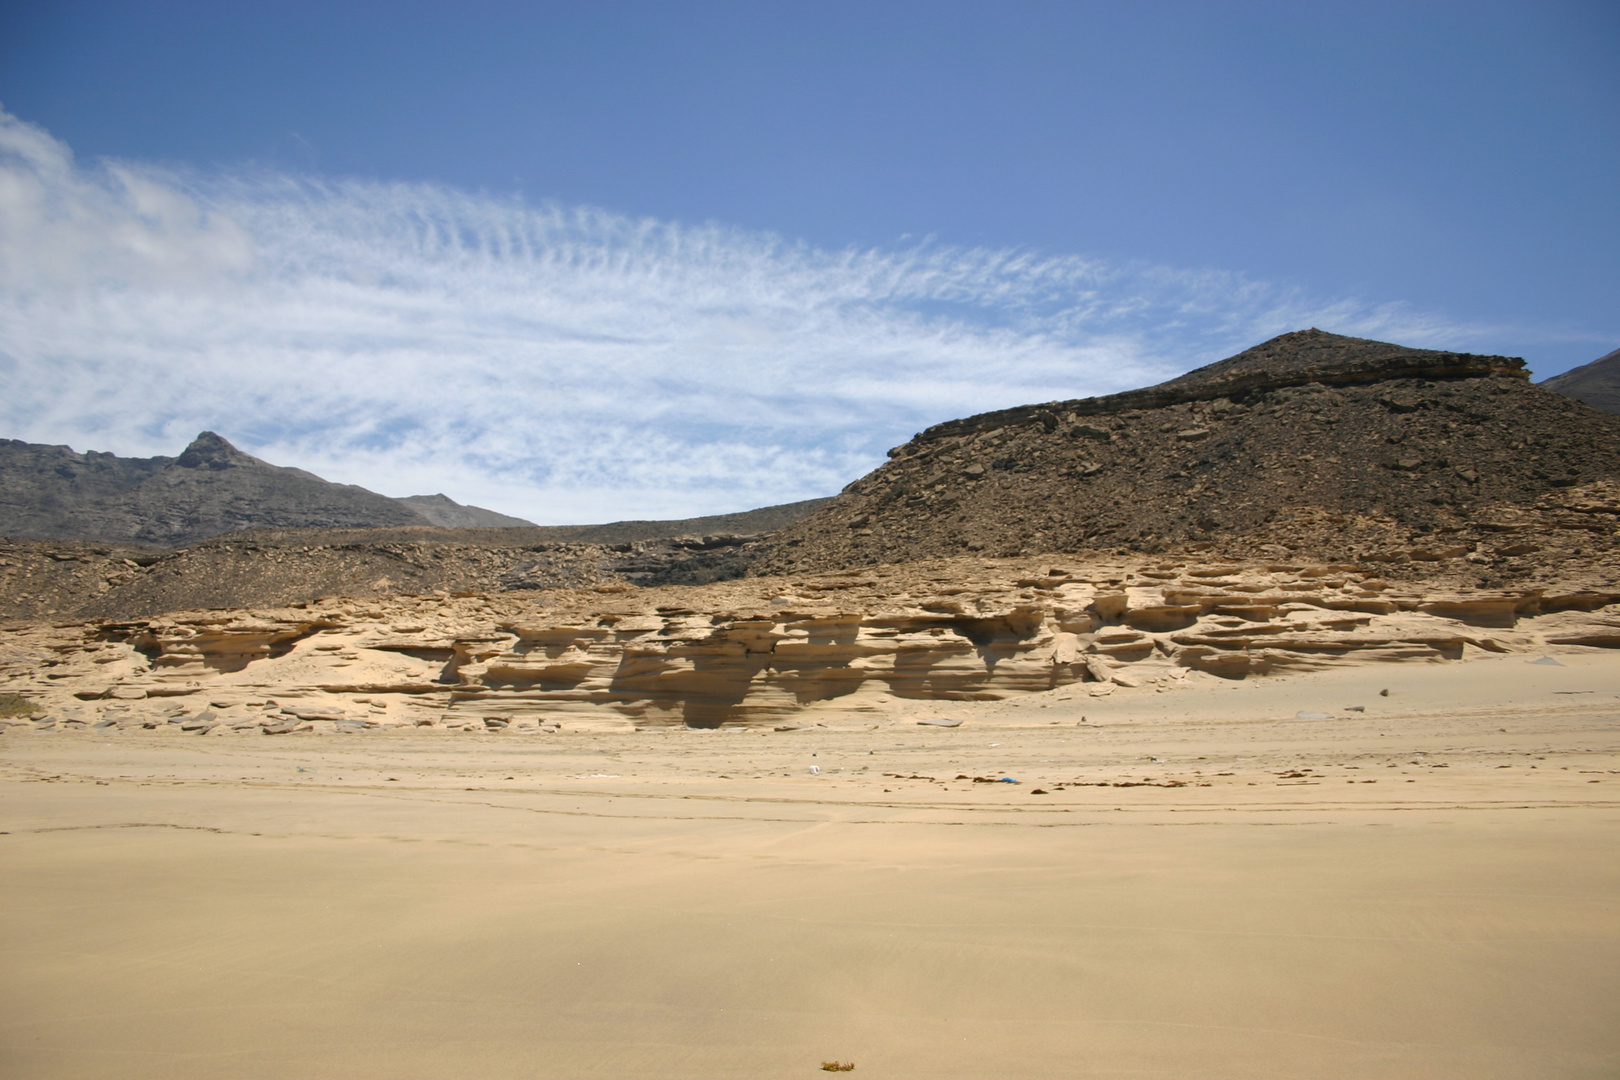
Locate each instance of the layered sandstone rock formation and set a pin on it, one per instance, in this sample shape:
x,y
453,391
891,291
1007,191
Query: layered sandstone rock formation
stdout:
x,y
1328,446
830,648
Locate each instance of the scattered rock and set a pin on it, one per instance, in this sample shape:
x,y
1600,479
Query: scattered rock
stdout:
x,y
1099,669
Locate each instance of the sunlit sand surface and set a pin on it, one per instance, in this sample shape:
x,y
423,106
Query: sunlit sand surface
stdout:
x,y
1210,887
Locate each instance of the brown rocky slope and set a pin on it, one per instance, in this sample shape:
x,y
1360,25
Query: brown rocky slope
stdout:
x,y
1310,444
59,579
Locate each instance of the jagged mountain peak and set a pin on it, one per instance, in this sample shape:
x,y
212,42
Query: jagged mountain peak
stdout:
x,y
212,451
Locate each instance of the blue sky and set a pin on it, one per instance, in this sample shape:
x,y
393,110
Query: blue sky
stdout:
x,y
594,261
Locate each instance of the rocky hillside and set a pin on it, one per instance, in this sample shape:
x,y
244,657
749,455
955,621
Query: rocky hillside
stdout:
x,y
1310,444
58,579
1597,383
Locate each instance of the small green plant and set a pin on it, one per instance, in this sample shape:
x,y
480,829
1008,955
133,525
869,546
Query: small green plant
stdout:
x,y
16,705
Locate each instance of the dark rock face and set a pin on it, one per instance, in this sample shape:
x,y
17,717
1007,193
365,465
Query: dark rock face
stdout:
x,y
1313,441
1597,383
210,489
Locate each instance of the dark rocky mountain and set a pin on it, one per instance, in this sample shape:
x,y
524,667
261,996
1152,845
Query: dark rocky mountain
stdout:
x,y
445,512
1597,383
1331,446
211,488
80,534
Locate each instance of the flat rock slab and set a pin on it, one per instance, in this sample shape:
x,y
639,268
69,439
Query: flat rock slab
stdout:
x,y
315,712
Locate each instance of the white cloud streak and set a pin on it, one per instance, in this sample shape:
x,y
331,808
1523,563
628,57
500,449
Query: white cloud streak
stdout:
x,y
564,364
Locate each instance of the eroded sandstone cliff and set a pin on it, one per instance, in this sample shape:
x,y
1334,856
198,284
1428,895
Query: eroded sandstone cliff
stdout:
x,y
830,648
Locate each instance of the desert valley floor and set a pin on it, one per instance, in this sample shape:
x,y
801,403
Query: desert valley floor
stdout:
x,y
1223,879
1261,724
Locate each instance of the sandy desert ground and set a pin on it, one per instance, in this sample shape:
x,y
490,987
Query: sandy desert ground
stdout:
x,y
1186,883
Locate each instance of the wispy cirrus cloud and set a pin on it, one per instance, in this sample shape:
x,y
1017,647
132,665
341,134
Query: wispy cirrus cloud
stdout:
x,y
562,363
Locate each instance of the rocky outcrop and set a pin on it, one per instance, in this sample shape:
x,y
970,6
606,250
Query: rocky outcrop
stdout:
x,y
1311,444
769,651
1298,359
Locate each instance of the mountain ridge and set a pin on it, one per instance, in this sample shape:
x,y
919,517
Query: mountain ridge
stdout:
x,y
210,489
1597,383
